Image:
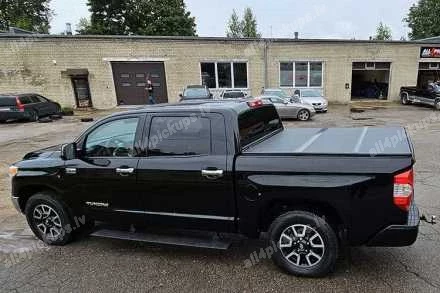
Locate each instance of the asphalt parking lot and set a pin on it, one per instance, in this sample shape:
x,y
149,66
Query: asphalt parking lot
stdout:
x,y
102,265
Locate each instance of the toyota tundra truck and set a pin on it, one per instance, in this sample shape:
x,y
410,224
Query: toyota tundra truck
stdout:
x,y
195,174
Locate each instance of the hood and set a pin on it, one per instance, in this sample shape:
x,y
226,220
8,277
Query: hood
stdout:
x,y
302,105
313,100
370,141
44,153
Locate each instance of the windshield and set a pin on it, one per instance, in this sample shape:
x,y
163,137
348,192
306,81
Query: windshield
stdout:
x,y
277,93
256,123
196,93
311,93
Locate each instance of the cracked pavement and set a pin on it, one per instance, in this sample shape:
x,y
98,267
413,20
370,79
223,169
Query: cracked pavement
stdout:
x,y
100,265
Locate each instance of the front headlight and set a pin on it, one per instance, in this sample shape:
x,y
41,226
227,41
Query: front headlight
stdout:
x,y
13,170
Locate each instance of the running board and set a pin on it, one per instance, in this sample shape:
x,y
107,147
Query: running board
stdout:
x,y
181,240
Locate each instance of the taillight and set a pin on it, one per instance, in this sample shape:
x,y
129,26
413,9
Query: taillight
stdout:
x,y
20,106
404,189
255,103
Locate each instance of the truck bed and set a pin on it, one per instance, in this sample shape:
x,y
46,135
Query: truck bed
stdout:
x,y
366,141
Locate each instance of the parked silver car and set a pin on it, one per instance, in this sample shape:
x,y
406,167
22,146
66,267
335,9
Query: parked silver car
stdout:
x,y
312,97
289,110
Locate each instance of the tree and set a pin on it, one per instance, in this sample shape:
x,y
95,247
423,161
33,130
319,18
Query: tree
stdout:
x,y
139,17
423,19
246,28
249,24
84,26
235,29
32,15
383,33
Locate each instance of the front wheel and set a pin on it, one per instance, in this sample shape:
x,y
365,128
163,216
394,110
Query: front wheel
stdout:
x,y
404,99
48,219
437,104
303,115
306,244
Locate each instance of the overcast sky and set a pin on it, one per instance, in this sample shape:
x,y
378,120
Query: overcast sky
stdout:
x,y
278,18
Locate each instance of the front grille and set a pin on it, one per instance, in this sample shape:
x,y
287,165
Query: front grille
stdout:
x,y
316,104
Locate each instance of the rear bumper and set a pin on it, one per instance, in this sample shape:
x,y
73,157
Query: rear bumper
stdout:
x,y
399,235
13,115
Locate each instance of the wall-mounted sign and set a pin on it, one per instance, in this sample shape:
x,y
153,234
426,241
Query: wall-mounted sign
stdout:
x,y
430,52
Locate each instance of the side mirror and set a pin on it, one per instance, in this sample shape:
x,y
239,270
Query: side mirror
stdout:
x,y
211,95
181,95
68,151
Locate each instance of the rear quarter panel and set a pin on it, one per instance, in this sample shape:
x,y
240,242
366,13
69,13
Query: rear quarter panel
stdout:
x,y
357,190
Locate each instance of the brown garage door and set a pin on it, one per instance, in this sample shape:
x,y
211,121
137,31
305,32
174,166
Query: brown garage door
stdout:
x,y
131,80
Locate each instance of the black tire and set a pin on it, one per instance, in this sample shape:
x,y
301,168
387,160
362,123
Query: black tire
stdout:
x,y
306,264
33,116
437,104
404,99
60,230
303,115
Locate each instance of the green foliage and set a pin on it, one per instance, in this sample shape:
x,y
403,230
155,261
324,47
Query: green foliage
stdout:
x,y
423,19
246,28
32,15
235,29
83,26
249,24
139,17
383,33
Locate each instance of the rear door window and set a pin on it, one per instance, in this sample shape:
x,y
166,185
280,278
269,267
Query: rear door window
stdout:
x,y
35,99
179,136
255,123
25,100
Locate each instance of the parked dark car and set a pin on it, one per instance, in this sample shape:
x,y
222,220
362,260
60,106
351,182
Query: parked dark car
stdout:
x,y
429,95
224,167
26,107
196,92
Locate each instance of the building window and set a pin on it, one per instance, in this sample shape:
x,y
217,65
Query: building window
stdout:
x,y
301,74
224,74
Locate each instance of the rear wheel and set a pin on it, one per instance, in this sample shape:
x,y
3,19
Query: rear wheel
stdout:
x,y
49,219
404,99
33,116
303,115
306,244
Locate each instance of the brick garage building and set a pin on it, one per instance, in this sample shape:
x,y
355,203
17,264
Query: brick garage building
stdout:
x,y
103,71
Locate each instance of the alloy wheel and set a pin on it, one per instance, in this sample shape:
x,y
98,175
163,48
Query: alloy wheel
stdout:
x,y
47,221
303,115
302,245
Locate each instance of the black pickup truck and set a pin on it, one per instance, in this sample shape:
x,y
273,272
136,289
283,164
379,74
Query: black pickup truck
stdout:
x,y
225,168
429,95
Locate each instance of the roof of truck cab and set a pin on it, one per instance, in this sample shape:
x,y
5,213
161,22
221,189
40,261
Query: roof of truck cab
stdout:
x,y
232,106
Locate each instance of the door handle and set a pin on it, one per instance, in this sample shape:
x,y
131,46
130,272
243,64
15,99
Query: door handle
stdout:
x,y
212,174
124,171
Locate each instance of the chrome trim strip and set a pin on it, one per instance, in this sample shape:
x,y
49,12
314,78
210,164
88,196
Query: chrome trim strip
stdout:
x,y
178,215
16,204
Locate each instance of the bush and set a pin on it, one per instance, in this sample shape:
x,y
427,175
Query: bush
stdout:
x,y
67,111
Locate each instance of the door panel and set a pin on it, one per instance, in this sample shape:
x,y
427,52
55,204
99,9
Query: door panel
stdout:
x,y
103,178
174,192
